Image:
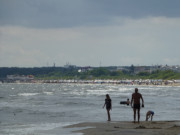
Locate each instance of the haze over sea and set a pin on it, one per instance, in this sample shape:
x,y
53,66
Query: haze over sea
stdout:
x,y
39,109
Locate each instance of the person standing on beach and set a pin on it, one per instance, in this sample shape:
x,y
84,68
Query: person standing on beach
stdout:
x,y
135,103
108,105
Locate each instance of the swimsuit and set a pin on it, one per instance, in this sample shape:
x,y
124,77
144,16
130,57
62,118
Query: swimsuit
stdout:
x,y
108,104
136,106
152,112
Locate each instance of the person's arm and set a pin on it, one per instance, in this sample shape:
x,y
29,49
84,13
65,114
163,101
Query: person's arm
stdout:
x,y
142,101
132,101
111,104
104,104
146,117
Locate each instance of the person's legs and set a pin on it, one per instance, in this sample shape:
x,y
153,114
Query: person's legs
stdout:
x,y
134,114
108,113
138,115
146,117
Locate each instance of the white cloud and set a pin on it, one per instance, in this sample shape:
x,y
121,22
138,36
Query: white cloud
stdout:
x,y
125,41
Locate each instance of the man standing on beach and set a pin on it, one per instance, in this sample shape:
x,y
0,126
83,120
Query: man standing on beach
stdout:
x,y
135,103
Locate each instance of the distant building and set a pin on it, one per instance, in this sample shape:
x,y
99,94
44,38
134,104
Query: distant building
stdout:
x,y
149,69
173,68
123,68
21,78
84,69
68,65
139,69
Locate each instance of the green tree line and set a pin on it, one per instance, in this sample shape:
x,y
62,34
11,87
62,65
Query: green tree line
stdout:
x,y
95,73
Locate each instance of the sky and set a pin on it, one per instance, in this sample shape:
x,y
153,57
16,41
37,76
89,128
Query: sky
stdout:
x,y
40,33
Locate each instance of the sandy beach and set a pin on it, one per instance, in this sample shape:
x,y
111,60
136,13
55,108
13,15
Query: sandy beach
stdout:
x,y
129,128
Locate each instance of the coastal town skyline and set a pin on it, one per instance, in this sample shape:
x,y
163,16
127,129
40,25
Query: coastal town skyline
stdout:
x,y
89,33
69,65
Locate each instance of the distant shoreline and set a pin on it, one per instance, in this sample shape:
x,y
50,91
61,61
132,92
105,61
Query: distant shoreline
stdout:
x,y
108,82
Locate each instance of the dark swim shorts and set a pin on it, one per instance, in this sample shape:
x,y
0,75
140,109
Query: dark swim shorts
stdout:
x,y
136,106
152,112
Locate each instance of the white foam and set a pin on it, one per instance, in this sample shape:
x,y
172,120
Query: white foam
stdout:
x,y
39,129
48,93
28,94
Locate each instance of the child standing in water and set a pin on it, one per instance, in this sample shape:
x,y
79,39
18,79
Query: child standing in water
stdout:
x,y
108,105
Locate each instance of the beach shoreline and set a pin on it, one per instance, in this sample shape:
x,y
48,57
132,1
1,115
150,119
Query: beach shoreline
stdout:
x,y
95,83
128,128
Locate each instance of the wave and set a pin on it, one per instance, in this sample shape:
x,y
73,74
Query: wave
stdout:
x,y
28,94
48,93
40,128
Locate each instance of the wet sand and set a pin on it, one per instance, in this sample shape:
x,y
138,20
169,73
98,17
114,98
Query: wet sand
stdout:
x,y
129,128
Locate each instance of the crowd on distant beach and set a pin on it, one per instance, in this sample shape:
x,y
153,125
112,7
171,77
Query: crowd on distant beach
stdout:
x,y
120,82
135,104
154,82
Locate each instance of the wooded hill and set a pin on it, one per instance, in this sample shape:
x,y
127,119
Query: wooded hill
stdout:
x,y
94,73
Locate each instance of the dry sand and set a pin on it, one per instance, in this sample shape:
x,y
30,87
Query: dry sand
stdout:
x,y
130,128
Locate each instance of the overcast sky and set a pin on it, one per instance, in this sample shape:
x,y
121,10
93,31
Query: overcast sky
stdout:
x,y
38,33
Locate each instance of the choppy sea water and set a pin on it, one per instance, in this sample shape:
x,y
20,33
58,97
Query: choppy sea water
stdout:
x,y
38,109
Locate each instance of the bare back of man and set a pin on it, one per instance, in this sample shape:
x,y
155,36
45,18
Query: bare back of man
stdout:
x,y
136,103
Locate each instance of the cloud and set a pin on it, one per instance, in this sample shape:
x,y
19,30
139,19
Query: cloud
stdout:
x,y
125,41
75,13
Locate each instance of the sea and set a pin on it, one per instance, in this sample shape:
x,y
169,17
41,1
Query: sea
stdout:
x,y
44,109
